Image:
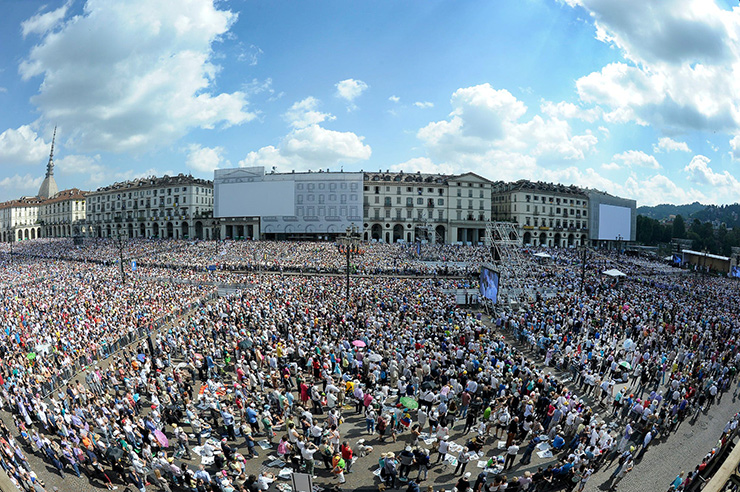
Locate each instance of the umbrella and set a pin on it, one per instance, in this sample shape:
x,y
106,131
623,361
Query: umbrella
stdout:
x,y
428,385
628,344
181,365
31,355
409,402
141,357
375,358
161,438
626,365
359,343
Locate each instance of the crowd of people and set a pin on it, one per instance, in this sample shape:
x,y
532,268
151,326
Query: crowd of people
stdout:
x,y
97,385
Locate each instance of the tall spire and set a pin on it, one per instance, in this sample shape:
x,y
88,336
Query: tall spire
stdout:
x,y
49,185
50,165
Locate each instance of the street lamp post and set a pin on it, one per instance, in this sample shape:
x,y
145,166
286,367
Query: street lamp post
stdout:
x,y
120,252
349,242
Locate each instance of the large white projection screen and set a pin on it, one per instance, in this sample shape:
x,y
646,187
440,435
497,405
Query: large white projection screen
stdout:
x,y
258,199
614,222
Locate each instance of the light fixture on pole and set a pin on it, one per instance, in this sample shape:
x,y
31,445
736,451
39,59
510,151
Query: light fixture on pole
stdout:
x,y
349,244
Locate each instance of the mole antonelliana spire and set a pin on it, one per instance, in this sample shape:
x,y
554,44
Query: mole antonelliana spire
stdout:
x,y
49,186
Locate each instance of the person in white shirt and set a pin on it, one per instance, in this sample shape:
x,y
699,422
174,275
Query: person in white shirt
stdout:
x,y
444,446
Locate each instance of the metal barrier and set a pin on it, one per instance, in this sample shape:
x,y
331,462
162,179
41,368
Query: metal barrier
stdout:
x,y
107,349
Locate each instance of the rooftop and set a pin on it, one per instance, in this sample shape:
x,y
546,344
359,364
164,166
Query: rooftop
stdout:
x,y
152,181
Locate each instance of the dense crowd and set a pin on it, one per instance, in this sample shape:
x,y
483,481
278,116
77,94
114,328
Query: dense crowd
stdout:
x,y
286,365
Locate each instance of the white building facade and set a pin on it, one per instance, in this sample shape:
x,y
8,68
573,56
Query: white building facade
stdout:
x,y
546,214
402,207
63,215
170,207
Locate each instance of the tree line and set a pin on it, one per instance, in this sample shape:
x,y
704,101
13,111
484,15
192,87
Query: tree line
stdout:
x,y
703,235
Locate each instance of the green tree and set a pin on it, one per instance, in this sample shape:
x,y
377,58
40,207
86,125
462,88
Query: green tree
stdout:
x,y
679,227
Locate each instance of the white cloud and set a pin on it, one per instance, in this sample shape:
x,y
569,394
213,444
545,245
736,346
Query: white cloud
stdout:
x,y
349,90
303,113
658,189
423,164
648,190
309,145
22,146
700,172
637,158
42,23
20,185
485,122
250,55
89,166
205,159
312,147
569,111
682,63
130,76
321,146
611,166
424,104
667,144
735,147
394,99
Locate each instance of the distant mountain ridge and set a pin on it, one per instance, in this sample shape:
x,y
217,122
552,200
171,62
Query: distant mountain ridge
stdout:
x,y
729,214
664,211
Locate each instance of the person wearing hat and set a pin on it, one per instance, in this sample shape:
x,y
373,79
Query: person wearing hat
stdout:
x,y
463,485
406,459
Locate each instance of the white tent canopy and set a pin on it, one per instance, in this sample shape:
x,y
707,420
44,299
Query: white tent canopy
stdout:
x,y
542,255
614,273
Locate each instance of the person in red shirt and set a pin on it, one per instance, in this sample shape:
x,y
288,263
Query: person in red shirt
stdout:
x,y
346,455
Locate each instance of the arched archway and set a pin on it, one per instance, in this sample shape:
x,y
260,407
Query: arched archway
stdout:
x,y
108,231
142,230
397,232
130,230
155,230
377,232
571,238
441,233
100,231
543,239
527,238
33,233
170,230
387,237
185,230
199,230
557,240
25,234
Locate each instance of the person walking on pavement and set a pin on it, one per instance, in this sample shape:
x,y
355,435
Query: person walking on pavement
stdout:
x,y
462,461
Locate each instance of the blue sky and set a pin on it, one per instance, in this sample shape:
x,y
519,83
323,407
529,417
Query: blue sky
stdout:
x,y
640,98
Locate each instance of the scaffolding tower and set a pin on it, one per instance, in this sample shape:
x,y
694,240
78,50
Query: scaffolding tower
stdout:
x,y
425,229
505,248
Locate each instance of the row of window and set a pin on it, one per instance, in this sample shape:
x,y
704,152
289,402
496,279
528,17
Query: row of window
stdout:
x,y
322,186
535,222
135,194
322,198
